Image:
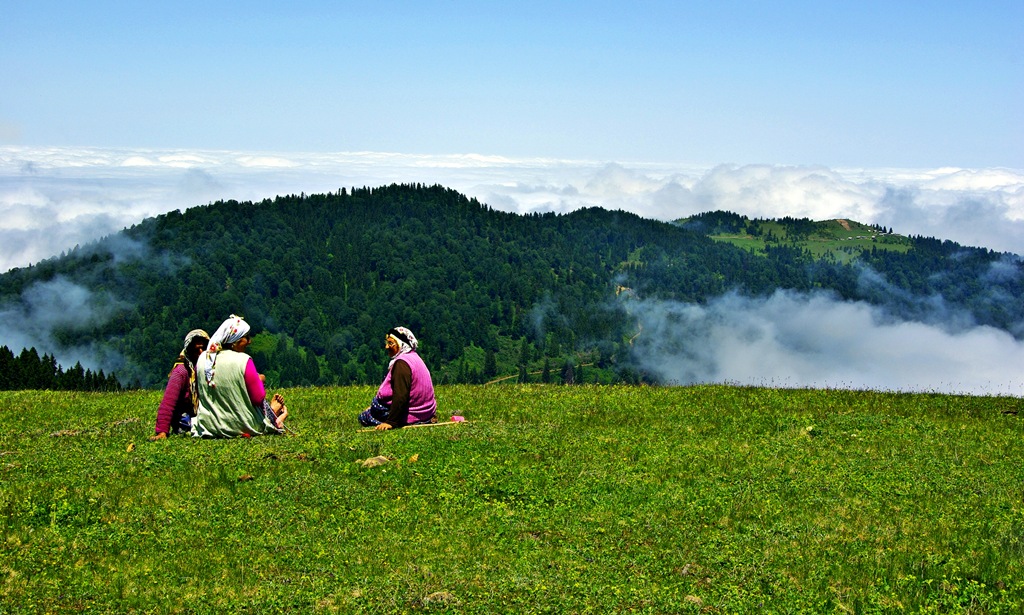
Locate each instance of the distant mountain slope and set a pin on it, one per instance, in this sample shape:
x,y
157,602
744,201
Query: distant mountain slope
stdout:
x,y
322,277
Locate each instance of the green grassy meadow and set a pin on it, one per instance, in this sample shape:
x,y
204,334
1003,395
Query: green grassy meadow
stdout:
x,y
838,240
553,499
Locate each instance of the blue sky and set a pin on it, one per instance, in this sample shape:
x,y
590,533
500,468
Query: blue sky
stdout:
x,y
872,84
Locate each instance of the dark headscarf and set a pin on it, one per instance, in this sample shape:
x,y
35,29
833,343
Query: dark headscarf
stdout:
x,y
184,360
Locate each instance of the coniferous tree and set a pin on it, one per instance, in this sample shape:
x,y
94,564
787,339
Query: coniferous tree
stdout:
x,y
568,373
490,364
7,369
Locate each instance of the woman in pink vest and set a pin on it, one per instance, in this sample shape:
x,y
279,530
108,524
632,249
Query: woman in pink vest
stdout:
x,y
407,394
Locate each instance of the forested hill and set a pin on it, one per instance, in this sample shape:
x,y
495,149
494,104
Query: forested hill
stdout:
x,y
488,293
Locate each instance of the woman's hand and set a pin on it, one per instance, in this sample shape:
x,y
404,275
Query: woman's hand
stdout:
x,y
382,427
160,436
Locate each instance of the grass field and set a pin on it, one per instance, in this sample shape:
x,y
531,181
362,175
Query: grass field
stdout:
x,y
707,499
838,240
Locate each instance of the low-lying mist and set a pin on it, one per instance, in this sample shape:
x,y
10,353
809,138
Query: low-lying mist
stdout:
x,y
48,317
812,340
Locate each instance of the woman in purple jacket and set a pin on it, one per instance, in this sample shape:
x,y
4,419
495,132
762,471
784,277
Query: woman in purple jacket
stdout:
x,y
178,405
407,394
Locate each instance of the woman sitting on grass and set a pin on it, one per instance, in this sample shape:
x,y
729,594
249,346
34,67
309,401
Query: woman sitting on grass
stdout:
x,y
407,394
178,405
232,399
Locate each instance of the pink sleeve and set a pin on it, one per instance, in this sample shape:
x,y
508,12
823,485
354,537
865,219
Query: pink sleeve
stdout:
x,y
254,385
174,394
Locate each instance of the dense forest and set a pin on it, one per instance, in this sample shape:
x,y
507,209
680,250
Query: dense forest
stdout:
x,y
489,294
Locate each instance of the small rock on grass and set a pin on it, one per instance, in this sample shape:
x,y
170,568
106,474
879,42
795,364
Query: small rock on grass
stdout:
x,y
373,462
441,599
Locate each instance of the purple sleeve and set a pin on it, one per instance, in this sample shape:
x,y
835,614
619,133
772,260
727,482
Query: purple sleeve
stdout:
x,y
177,385
254,385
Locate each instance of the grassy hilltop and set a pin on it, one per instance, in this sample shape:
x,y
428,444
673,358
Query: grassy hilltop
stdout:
x,y
706,499
839,240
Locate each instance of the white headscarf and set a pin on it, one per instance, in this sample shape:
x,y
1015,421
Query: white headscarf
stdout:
x,y
229,332
406,342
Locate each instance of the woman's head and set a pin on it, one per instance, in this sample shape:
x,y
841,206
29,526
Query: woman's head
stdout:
x,y
230,332
228,335
195,344
399,340
240,344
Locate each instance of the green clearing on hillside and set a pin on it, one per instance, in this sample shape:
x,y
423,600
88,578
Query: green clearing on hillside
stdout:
x,y
836,240
710,499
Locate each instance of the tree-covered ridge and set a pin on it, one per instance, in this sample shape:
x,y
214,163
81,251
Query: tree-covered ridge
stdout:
x,y
489,293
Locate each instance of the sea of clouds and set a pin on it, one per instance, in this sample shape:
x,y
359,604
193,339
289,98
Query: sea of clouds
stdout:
x,y
52,199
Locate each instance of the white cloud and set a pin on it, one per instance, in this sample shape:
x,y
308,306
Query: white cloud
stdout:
x,y
272,162
973,180
798,340
799,192
137,161
99,191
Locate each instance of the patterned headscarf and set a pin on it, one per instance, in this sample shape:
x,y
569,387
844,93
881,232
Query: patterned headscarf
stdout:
x,y
406,342
184,360
229,332
190,337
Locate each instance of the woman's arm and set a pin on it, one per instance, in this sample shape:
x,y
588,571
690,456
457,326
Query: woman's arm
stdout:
x,y
401,383
177,385
254,385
